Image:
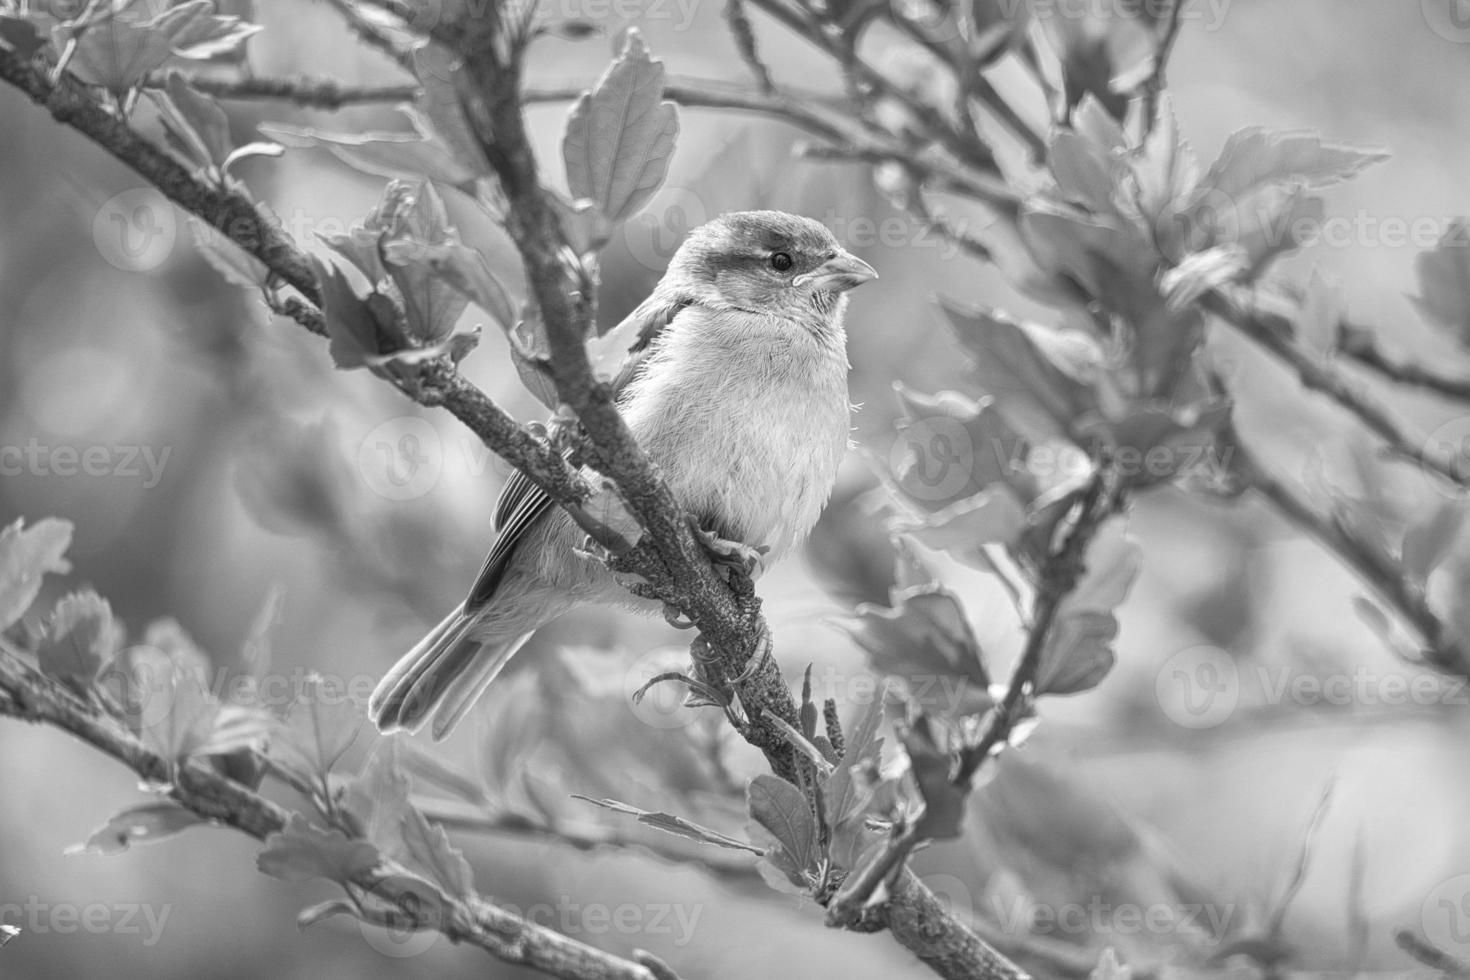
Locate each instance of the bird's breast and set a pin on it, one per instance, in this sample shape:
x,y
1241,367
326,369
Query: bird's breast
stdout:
x,y
749,424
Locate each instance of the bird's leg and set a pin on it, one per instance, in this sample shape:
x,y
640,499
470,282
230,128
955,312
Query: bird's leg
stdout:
x,y
728,553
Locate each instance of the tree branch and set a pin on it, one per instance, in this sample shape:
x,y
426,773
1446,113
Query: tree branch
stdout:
x,y
1360,344
1276,335
1377,569
29,695
305,91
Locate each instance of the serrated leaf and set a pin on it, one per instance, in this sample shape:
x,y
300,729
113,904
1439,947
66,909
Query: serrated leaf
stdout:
x,y
318,731
845,795
303,851
80,638
780,809
1255,158
620,136
142,823
429,846
26,556
1085,172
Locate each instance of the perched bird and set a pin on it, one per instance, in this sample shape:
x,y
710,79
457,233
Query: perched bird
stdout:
x,y
734,382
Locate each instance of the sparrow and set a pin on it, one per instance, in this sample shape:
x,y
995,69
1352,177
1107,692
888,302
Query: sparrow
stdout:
x,y
734,380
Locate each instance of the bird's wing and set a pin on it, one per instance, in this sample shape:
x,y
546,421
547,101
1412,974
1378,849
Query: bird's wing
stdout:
x,y
522,504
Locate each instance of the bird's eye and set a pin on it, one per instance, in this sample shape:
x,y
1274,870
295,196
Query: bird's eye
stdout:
x,y
781,261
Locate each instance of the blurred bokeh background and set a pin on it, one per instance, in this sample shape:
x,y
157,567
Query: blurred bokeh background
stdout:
x,y
243,466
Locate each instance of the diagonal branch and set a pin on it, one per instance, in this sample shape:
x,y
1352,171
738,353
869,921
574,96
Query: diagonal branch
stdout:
x,y
1276,335
29,695
1380,571
1359,343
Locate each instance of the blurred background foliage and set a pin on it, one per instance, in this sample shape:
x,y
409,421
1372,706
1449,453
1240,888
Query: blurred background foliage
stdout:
x,y
274,478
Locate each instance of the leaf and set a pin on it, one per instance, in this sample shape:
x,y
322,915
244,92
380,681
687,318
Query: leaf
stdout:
x,y
845,796
1079,653
115,50
469,272
1444,282
1041,378
925,642
26,555
407,156
780,809
930,765
1255,158
198,33
319,729
194,123
377,800
353,323
80,638
22,37
1428,542
439,102
950,452
1158,442
1084,171
671,824
430,848
619,137
142,823
303,851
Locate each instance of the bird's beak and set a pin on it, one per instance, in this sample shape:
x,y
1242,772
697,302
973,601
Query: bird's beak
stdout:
x,y
838,274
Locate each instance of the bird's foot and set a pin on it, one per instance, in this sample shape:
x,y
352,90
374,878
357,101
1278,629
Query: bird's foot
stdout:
x,y
748,560
762,653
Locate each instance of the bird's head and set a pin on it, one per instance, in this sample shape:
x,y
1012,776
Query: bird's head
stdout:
x,y
768,262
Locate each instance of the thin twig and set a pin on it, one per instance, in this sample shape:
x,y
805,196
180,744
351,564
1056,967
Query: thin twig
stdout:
x,y
1381,572
371,33
27,694
313,93
1153,86
1360,344
1276,335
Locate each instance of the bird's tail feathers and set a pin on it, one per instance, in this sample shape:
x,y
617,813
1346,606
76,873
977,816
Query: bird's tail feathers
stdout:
x,y
442,676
